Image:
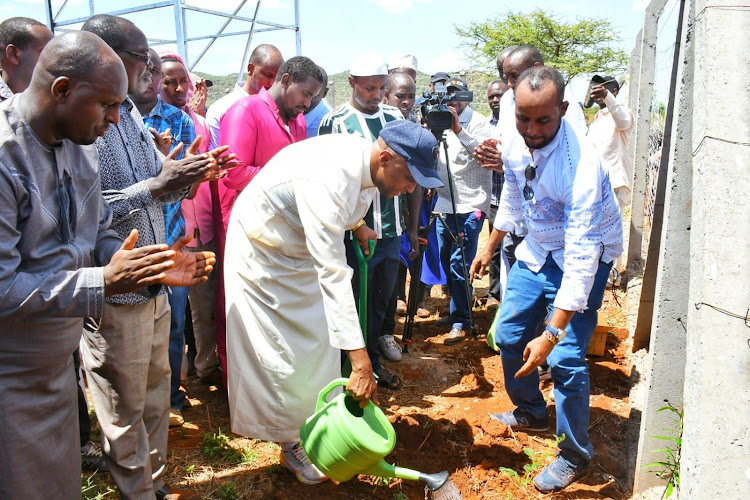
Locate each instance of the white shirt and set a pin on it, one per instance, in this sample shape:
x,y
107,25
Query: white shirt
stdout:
x,y
610,134
216,112
472,183
299,206
573,215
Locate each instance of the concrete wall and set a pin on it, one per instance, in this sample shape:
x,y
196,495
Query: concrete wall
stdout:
x,y
642,110
716,445
668,323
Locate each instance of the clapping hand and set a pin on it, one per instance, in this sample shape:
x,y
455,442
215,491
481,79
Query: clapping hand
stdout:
x,y
190,268
488,156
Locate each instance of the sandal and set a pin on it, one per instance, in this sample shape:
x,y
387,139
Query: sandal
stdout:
x,y
389,380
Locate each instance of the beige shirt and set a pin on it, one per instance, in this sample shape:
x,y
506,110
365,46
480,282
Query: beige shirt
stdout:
x,y
610,134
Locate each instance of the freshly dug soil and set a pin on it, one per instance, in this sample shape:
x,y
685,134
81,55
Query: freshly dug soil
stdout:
x,y
442,422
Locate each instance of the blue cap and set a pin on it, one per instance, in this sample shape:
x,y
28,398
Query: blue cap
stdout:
x,y
418,147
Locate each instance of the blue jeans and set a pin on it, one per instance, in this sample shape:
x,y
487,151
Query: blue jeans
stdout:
x,y
525,305
178,297
381,277
450,258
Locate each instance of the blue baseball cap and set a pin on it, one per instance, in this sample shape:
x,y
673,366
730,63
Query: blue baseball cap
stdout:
x,y
418,147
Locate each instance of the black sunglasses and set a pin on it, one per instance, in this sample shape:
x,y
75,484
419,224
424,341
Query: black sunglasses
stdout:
x,y
141,57
530,174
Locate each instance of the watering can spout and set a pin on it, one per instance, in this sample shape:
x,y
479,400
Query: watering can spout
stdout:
x,y
384,469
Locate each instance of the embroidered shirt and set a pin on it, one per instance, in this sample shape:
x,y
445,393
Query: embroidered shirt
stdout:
x,y
127,158
573,214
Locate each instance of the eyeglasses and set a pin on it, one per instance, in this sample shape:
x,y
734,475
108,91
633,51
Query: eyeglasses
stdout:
x,y
530,174
141,57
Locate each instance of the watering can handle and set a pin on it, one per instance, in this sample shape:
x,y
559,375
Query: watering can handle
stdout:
x,y
360,255
324,392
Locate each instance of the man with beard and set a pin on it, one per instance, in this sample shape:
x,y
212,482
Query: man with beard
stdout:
x,y
256,128
555,181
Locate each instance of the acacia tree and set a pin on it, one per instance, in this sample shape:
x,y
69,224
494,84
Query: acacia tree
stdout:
x,y
573,48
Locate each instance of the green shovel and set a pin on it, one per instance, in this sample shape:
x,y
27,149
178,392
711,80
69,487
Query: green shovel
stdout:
x,y
346,368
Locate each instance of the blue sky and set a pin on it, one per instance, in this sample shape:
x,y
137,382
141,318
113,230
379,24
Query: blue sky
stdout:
x,y
334,31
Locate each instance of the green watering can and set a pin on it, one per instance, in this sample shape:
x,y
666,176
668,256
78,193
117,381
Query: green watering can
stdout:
x,y
344,440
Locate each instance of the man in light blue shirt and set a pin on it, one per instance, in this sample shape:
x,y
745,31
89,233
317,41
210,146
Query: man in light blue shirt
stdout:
x,y
556,184
319,107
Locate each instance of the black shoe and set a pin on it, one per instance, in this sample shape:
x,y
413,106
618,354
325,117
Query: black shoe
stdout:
x,y
92,458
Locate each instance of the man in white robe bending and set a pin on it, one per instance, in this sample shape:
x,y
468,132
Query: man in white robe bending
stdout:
x,y
290,307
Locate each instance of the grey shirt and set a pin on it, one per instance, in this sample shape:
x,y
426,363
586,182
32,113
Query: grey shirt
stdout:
x,y
48,282
127,158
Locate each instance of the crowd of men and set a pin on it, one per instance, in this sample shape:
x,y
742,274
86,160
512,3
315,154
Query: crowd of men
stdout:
x,y
121,193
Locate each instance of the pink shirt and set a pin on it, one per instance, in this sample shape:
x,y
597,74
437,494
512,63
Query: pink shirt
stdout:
x,y
254,131
199,220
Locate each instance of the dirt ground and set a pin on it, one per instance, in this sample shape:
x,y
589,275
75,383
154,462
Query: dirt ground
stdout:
x,y
442,422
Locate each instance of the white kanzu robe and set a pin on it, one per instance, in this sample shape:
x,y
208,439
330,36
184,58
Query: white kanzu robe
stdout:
x,y
289,301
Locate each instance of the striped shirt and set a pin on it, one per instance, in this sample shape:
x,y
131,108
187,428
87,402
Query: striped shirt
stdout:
x,y
384,216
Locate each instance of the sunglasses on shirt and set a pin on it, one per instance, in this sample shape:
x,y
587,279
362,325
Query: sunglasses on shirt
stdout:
x,y
530,174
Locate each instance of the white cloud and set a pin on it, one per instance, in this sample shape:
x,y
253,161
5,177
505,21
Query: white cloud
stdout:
x,y
450,60
640,5
397,6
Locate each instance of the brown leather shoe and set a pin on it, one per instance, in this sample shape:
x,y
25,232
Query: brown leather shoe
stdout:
x,y
166,492
400,307
423,312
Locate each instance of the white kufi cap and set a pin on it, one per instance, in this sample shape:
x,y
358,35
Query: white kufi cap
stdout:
x,y
368,65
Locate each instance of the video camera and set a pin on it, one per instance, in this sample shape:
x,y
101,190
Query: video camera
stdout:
x,y
435,110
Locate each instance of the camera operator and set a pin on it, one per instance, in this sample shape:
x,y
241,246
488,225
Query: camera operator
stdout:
x,y
471,190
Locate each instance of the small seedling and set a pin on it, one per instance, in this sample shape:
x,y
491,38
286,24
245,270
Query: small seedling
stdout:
x,y
227,491
383,481
190,469
669,468
216,447
248,456
538,458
